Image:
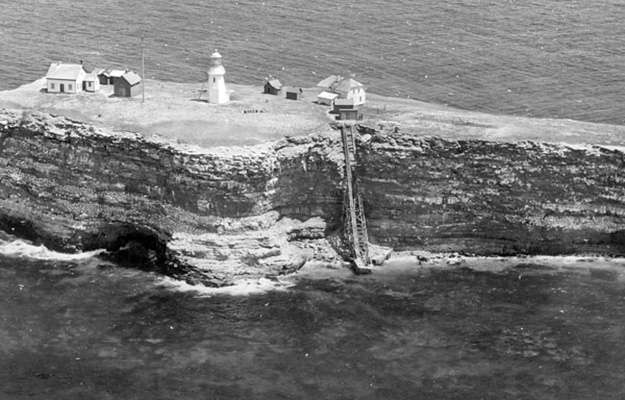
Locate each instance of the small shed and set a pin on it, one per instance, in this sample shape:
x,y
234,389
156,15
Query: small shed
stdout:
x,y
272,86
343,104
347,114
99,73
113,75
294,93
326,98
128,85
91,83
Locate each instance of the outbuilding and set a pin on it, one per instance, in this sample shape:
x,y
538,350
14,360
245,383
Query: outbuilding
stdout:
x,y
99,72
91,83
128,85
65,78
326,98
343,104
272,86
294,93
346,114
113,75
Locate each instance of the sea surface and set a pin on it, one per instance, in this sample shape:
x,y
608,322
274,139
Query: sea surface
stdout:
x,y
547,58
74,327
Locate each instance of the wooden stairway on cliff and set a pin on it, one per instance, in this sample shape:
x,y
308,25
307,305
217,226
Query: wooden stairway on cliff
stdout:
x,y
355,224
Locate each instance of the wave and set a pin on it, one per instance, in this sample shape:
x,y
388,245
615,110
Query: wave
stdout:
x,y
242,288
18,248
310,271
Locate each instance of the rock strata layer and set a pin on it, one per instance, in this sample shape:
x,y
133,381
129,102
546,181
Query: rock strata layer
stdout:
x,y
217,215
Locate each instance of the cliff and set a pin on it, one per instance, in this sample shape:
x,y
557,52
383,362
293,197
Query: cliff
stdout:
x,y
493,198
215,215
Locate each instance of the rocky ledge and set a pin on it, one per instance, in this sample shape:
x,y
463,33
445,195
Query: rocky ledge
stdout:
x,y
213,216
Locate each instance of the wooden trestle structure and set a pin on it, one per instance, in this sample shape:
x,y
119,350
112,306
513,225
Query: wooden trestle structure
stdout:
x,y
354,222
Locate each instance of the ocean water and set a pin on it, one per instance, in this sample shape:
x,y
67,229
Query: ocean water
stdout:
x,y
547,58
77,328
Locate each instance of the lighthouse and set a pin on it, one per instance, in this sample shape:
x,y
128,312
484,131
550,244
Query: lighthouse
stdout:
x,y
216,84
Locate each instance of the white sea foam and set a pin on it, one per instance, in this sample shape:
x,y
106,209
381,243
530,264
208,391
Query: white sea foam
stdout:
x,y
244,287
21,248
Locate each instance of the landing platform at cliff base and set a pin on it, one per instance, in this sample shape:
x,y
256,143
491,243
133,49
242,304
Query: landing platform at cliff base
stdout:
x,y
213,194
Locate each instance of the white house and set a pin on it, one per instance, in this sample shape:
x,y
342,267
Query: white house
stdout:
x,y
351,89
65,78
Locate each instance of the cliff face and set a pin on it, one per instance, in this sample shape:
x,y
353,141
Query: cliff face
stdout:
x,y
214,215
493,197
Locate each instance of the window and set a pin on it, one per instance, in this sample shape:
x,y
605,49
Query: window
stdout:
x,y
52,86
213,80
69,86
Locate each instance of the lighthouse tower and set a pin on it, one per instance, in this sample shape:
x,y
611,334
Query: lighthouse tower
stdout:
x,y
216,84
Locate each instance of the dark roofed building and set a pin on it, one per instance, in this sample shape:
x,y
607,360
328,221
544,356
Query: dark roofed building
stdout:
x,y
128,85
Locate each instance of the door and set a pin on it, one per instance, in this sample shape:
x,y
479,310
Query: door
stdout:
x,y
62,87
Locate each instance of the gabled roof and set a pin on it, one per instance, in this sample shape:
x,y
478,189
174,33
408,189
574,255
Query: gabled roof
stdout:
x,y
91,77
98,71
64,71
329,81
131,78
275,84
348,84
114,73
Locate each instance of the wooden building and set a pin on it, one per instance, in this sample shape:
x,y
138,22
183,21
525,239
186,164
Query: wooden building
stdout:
x,y
128,85
91,83
343,104
99,73
347,114
112,75
326,98
294,93
272,86
65,78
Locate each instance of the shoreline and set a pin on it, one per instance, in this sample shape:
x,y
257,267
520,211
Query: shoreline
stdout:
x,y
215,214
